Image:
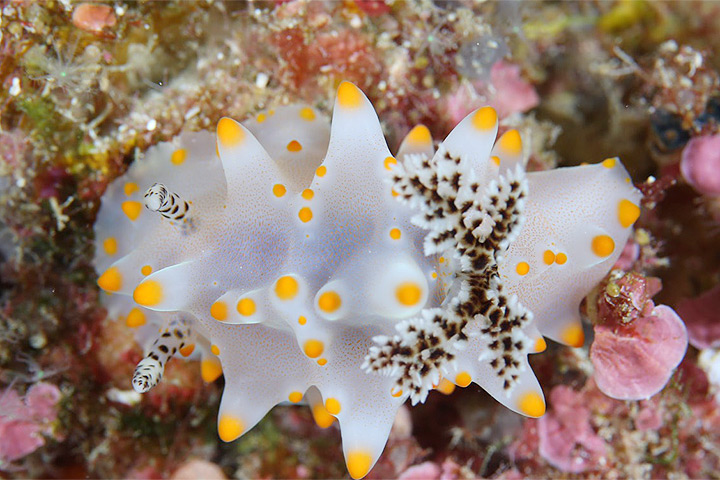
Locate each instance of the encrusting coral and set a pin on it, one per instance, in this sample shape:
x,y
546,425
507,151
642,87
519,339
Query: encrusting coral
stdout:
x,y
354,279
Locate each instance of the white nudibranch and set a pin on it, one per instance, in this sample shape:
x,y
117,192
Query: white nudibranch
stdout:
x,y
322,268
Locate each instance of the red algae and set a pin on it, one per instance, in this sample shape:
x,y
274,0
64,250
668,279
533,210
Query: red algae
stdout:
x,y
635,361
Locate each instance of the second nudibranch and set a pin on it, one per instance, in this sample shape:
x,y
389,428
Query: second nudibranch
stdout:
x,y
307,264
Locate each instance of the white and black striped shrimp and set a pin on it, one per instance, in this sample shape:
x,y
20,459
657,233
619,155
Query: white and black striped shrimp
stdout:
x,y
168,204
174,338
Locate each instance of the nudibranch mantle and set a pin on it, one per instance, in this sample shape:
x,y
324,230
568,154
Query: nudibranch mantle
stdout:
x,y
308,265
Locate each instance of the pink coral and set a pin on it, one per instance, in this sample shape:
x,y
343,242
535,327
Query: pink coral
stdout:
x,y
567,439
512,92
424,471
508,94
635,361
629,255
700,164
23,423
702,320
650,416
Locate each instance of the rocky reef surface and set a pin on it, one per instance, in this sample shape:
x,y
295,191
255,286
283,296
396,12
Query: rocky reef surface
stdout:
x,y
87,87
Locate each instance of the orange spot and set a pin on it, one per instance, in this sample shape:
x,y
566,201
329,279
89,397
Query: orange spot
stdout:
x,y
560,258
219,311
321,416
321,171
548,257
307,114
110,246
230,428
187,350
396,393
573,335
603,245
261,118
609,162
136,318
286,287
305,214
408,293
295,397
540,345
146,270
130,188
395,234
329,301
215,349
522,268
210,369
389,162
179,156
445,386
463,379
511,142
294,146
349,96
358,463
419,135
302,320
131,209
532,404
332,405
308,194
149,293
110,280
313,348
229,133
627,213
485,118
246,307
495,160
322,361
279,190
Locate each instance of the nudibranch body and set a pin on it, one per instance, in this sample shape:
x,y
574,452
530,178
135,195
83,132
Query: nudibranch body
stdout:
x,y
309,265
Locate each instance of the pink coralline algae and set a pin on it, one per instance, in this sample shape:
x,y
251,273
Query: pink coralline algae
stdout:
x,y
629,255
448,470
700,164
24,422
702,318
567,439
512,92
508,93
635,361
424,471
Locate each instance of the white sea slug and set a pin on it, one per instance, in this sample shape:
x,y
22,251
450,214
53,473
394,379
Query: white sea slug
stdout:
x,y
320,269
